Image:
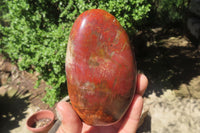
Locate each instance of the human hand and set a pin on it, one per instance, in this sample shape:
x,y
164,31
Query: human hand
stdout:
x,y
71,122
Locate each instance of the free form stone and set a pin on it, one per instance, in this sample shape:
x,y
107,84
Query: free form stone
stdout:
x,y
100,68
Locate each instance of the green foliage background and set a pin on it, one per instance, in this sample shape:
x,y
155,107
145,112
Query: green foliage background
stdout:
x,y
34,33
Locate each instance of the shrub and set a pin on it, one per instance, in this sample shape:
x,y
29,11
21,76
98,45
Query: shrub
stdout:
x,y
169,11
38,30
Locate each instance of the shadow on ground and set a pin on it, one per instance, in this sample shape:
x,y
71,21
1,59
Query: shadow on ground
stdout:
x,y
167,58
12,111
146,126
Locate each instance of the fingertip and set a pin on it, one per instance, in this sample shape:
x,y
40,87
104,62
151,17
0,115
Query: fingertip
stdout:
x,y
66,113
70,120
142,83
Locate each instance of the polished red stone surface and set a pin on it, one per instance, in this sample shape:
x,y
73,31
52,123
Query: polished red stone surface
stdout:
x,y
100,68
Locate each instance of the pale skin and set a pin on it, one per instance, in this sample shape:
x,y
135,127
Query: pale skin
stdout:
x,y
71,122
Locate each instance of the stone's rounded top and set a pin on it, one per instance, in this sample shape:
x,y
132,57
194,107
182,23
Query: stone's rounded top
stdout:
x,y
100,18
96,20
100,68
98,32
97,14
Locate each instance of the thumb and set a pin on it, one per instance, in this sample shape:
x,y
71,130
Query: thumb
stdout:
x,y
71,122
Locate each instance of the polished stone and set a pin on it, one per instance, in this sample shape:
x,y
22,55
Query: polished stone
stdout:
x,y
100,68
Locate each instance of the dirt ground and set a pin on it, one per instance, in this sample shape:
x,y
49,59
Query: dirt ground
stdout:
x,y
172,65
18,97
168,58
22,83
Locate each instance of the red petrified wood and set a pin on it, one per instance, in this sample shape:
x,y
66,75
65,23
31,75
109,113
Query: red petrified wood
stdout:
x,y
100,68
